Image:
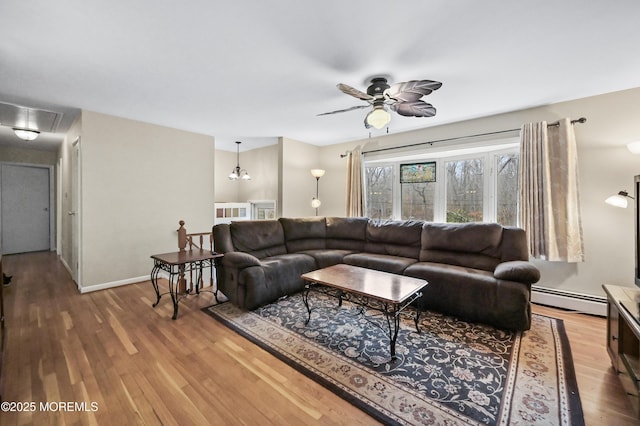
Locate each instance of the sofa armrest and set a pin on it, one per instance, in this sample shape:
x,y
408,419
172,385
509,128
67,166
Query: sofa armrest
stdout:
x,y
517,270
240,260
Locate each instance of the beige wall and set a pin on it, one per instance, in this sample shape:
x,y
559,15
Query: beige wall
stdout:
x,y
226,191
606,167
297,186
135,185
138,180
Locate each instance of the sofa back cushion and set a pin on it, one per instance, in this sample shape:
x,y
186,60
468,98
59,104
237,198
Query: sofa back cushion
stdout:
x,y
222,242
261,238
514,244
474,245
307,233
397,238
346,233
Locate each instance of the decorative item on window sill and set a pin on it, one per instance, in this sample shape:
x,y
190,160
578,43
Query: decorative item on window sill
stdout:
x,y
619,199
237,172
315,201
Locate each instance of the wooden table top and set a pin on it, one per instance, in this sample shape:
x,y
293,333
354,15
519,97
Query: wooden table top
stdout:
x,y
383,286
186,256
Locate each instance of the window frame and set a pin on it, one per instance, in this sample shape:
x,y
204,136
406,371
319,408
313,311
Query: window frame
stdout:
x,y
489,151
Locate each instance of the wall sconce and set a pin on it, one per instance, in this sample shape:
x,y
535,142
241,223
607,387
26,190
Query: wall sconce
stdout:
x,y
634,147
315,201
619,199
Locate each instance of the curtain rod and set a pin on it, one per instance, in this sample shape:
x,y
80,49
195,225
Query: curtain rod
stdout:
x,y
557,123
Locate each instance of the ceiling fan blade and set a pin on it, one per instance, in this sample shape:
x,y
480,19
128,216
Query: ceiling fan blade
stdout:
x,y
345,110
414,109
412,90
354,92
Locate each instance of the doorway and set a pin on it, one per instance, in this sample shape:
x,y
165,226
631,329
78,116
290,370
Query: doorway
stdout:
x,y
26,218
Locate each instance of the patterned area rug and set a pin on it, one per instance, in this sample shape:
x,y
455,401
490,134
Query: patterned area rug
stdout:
x,y
452,372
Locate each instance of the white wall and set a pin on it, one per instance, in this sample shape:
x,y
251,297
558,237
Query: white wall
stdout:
x,y
138,180
606,167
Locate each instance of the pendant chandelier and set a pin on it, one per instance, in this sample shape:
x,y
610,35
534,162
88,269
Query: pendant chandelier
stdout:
x,y
237,172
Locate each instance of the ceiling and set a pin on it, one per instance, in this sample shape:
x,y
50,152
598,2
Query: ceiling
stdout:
x,y
256,70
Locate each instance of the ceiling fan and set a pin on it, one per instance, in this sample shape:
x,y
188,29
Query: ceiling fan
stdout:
x,y
403,98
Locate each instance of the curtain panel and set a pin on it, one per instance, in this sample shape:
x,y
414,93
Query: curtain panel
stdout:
x,y
354,202
548,191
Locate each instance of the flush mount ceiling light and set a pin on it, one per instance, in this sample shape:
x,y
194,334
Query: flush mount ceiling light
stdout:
x,y
26,134
237,172
402,98
619,199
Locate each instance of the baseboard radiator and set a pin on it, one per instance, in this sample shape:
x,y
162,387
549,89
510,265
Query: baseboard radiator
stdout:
x,y
584,303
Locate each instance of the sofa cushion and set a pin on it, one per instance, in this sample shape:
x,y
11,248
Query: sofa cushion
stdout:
x,y
397,238
277,276
473,295
476,245
514,244
307,233
261,238
346,233
380,262
327,257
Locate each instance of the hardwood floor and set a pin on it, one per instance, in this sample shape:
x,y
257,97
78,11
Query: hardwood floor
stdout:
x,y
130,363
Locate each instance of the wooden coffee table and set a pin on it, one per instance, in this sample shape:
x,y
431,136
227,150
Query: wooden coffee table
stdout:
x,y
388,293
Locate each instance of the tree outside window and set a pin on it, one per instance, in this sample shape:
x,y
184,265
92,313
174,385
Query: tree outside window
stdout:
x,y
418,200
465,190
379,187
507,189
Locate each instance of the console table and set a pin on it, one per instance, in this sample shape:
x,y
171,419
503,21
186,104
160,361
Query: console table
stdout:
x,y
623,338
177,264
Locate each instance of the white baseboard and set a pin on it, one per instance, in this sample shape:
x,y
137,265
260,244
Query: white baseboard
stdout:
x,y
563,299
112,284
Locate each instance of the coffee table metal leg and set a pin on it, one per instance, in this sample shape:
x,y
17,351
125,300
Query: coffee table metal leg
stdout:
x,y
305,299
393,321
416,320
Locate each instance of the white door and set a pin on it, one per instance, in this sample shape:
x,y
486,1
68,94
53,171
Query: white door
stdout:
x,y
26,218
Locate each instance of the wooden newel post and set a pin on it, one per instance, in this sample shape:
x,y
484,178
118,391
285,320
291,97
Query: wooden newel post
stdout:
x,y
182,236
182,244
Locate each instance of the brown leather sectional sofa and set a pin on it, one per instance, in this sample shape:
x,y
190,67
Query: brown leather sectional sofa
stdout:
x,y
476,271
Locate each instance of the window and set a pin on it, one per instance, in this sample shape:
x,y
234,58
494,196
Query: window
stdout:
x,y
471,184
507,189
465,190
379,192
418,200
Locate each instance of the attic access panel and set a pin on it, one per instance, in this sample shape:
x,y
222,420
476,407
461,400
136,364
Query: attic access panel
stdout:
x,y
38,119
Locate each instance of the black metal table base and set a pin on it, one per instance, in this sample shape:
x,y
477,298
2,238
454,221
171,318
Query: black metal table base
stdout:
x,y
175,272
391,311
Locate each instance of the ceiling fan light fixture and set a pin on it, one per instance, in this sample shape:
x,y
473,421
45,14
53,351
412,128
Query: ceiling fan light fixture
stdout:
x,y
378,118
26,134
